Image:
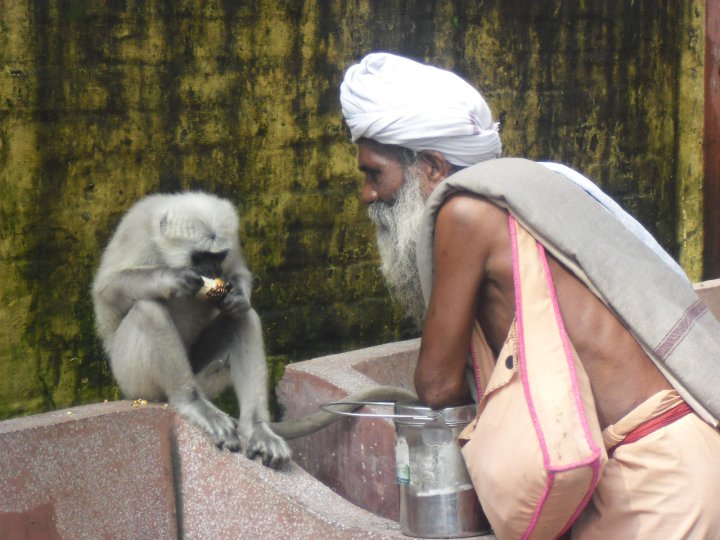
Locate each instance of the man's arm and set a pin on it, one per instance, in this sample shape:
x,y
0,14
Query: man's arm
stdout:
x,y
466,229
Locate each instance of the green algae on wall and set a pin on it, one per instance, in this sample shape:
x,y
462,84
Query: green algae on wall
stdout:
x,y
103,102
689,173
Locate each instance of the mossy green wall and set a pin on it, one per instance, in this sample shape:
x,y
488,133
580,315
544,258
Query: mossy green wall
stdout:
x,y
102,102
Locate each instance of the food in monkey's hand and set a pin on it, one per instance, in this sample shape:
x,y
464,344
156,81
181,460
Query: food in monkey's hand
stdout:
x,y
214,289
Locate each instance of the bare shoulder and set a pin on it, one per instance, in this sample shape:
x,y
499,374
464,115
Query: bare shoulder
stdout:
x,y
468,210
470,222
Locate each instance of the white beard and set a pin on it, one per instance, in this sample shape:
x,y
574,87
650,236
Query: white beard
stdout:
x,y
398,226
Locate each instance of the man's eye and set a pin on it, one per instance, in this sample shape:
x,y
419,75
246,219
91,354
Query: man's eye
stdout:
x,y
372,176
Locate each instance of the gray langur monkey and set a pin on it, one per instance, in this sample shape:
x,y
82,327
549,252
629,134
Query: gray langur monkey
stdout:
x,y
167,342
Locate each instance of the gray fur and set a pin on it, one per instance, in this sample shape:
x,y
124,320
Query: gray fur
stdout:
x,y
165,342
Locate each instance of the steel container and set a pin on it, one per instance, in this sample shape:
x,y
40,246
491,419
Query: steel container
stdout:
x,y
437,499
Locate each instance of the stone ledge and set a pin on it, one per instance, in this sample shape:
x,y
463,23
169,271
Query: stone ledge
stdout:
x,y
99,470
115,471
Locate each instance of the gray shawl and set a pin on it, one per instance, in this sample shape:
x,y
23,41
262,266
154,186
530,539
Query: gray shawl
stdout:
x,y
658,305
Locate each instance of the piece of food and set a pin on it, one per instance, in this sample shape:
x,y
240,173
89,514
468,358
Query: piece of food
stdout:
x,y
213,288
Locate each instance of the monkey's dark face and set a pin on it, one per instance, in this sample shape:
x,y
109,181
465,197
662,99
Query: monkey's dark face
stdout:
x,y
207,263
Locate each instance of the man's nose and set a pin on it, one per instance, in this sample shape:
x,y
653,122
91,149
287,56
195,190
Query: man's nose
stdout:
x,y
368,194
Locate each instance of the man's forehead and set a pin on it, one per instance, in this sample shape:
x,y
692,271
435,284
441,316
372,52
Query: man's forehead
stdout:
x,y
370,159
370,149
371,145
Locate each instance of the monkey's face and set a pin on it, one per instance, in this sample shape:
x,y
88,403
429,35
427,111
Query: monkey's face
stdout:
x,y
207,263
199,238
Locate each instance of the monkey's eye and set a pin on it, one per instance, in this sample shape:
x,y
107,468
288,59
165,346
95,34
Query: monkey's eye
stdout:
x,y
199,257
208,263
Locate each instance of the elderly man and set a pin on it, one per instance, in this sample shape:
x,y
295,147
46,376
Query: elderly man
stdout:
x,y
441,201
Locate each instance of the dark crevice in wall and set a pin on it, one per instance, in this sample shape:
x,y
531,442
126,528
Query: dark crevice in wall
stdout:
x,y
711,142
179,45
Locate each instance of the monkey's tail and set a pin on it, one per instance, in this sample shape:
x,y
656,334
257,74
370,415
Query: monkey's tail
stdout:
x,y
292,429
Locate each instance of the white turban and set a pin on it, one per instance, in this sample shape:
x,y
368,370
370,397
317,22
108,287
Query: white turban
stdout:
x,y
394,100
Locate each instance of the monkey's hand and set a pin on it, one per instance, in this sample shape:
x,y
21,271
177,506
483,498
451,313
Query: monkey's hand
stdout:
x,y
235,304
182,282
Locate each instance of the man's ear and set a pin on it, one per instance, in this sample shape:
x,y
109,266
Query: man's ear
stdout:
x,y
435,166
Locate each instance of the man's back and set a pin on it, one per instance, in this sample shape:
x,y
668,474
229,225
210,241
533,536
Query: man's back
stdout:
x,y
621,374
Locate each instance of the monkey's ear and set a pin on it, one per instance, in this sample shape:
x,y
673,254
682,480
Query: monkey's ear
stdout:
x,y
168,226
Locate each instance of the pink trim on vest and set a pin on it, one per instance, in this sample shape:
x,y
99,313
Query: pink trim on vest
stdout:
x,y
476,370
523,375
576,391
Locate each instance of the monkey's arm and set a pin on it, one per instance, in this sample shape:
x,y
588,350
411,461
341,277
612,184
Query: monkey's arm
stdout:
x,y
293,429
120,290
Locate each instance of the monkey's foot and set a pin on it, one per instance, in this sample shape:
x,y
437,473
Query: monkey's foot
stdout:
x,y
272,448
221,427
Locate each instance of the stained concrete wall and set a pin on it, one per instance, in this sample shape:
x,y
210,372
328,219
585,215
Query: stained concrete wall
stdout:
x,y
102,102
